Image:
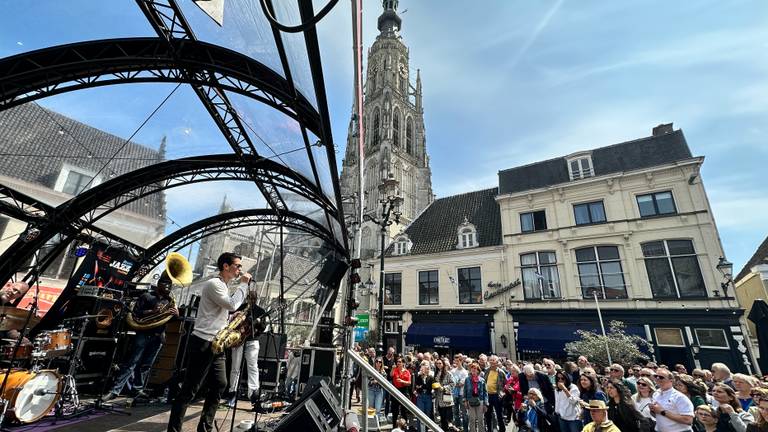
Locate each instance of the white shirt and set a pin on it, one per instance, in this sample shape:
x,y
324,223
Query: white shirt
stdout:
x,y
568,408
215,305
673,402
643,405
459,376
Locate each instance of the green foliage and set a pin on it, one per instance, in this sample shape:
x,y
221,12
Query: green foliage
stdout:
x,y
624,348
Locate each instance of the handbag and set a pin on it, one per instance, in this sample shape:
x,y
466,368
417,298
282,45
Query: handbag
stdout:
x,y
448,398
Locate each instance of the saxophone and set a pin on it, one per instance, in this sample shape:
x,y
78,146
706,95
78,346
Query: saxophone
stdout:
x,y
235,332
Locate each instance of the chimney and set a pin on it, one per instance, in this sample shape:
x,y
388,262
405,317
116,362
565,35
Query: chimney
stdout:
x,y
663,129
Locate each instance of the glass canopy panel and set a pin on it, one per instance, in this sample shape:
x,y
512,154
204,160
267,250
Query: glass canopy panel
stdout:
x,y
287,13
320,155
245,29
274,134
28,26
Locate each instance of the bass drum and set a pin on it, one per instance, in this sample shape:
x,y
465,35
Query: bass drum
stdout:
x,y
31,395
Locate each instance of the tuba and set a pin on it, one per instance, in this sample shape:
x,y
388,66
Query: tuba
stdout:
x,y
179,271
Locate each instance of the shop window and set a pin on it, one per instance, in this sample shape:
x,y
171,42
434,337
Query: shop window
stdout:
x,y
712,338
533,221
589,213
656,204
600,270
673,269
428,288
470,286
540,277
393,287
669,337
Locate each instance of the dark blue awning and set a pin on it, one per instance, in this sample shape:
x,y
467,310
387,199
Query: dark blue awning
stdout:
x,y
549,339
465,336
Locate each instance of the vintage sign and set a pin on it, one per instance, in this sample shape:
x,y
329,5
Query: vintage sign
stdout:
x,y
500,289
441,341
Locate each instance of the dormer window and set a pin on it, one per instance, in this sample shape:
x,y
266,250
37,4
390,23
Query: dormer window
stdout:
x,y
72,180
467,235
580,166
402,245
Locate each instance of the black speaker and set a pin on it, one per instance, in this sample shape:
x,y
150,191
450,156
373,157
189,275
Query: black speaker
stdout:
x,y
272,346
306,418
325,331
269,372
332,272
316,361
323,406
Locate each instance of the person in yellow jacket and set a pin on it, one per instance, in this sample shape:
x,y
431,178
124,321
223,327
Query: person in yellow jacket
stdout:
x,y
599,413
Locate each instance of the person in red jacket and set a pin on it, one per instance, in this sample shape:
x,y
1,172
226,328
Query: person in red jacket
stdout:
x,y
513,399
401,378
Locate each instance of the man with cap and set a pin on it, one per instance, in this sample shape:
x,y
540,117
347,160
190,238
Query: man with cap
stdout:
x,y
598,410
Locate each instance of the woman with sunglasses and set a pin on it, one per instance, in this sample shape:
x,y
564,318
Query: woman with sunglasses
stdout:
x,y
761,424
422,389
621,408
567,406
730,415
706,416
644,397
375,390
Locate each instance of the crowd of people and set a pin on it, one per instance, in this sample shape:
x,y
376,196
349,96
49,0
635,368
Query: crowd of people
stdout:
x,y
489,393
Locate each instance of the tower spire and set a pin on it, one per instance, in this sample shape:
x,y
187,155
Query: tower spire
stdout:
x,y
389,21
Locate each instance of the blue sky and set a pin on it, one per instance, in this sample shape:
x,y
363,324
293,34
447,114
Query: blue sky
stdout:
x,y
513,82
508,83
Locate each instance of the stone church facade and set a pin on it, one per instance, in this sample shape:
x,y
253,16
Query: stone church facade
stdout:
x,y
393,127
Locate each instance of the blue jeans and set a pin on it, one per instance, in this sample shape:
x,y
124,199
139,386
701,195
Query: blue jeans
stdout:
x,y
424,403
375,398
570,425
145,349
460,417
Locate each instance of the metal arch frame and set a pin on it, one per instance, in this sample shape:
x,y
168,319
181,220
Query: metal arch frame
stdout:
x,y
203,228
82,211
54,70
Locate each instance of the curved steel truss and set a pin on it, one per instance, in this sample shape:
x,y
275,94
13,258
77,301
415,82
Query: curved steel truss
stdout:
x,y
59,69
82,211
203,228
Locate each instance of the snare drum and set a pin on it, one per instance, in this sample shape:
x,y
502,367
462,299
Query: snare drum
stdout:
x,y
54,343
31,395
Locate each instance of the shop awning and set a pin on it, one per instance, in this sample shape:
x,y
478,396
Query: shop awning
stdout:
x,y
548,339
465,336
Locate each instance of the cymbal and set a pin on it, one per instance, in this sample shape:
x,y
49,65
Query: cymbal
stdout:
x,y
13,318
82,317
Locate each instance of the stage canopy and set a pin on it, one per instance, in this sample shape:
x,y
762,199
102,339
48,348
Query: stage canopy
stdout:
x,y
147,126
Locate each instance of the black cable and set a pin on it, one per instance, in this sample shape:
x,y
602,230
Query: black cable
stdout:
x,y
301,27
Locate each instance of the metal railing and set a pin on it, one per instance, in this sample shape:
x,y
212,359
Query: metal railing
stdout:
x,y
367,371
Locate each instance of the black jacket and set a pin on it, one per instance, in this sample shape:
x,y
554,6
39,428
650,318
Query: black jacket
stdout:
x,y
545,385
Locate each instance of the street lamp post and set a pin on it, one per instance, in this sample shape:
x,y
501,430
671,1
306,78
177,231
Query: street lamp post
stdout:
x,y
390,207
602,326
725,268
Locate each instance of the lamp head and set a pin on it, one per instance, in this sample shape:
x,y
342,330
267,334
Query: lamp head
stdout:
x,y
725,268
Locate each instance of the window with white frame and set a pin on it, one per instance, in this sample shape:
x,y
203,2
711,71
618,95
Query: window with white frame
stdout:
x,y
712,338
580,167
467,235
673,269
589,213
540,276
402,246
600,270
669,337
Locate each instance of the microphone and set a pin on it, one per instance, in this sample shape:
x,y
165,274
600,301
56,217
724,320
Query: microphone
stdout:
x,y
43,392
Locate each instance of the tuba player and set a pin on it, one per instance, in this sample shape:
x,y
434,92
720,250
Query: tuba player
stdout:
x,y
148,342
212,316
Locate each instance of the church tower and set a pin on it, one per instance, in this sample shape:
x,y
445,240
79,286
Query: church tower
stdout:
x,y
395,140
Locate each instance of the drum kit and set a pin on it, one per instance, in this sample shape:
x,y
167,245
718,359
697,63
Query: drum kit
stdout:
x,y
31,389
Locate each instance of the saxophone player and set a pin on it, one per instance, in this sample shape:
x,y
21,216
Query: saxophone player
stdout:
x,y
147,343
204,364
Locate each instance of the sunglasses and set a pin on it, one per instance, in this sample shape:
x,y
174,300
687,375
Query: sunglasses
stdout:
x,y
660,378
646,375
642,385
615,370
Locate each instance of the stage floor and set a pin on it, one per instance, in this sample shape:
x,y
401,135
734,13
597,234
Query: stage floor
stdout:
x,y
144,418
